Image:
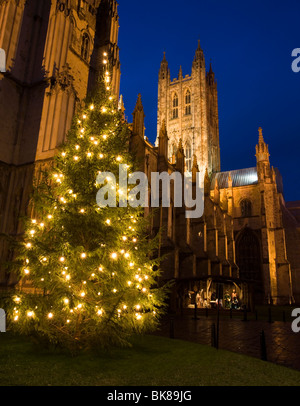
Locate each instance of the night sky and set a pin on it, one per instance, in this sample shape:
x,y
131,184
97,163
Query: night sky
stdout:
x,y
249,44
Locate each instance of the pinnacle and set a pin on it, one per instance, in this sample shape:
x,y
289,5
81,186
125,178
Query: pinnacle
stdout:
x,y
261,138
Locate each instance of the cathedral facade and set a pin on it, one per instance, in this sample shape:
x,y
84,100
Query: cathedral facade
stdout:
x,y
54,53
247,239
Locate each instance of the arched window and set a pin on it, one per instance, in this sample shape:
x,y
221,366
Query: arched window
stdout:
x,y
85,46
188,102
246,208
248,256
188,157
175,106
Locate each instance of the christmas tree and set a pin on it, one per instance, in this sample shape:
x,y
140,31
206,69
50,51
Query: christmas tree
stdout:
x,y
91,267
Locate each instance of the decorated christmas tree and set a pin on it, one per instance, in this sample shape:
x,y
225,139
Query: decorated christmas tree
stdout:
x,y
91,266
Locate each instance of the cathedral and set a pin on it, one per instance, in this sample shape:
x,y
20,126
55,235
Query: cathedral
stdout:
x,y
246,243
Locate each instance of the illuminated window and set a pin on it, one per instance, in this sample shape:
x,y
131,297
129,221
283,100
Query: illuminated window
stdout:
x,y
246,208
85,46
188,157
188,102
175,106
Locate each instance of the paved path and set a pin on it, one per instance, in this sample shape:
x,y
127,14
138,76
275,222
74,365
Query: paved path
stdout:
x,y
282,344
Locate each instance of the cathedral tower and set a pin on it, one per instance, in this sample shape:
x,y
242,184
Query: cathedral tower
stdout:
x,y
189,106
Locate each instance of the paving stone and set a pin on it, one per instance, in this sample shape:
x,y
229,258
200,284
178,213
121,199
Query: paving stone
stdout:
x,y
282,344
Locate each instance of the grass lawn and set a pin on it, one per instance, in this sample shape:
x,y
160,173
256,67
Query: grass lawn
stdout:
x,y
152,361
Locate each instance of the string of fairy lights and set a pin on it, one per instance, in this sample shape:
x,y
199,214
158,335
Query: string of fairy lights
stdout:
x,y
139,279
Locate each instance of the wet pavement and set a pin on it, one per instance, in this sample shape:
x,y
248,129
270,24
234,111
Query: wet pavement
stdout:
x,y
282,345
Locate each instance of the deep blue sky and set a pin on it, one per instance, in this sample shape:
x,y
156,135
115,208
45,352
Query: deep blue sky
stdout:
x,y
249,44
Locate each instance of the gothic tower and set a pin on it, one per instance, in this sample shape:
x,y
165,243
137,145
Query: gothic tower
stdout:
x,y
276,266
54,52
189,106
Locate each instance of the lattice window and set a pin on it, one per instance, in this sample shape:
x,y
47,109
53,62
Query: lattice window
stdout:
x,y
175,106
248,256
188,102
246,208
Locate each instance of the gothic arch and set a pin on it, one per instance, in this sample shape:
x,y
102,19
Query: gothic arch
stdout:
x,y
175,104
85,46
173,151
187,101
248,255
246,207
